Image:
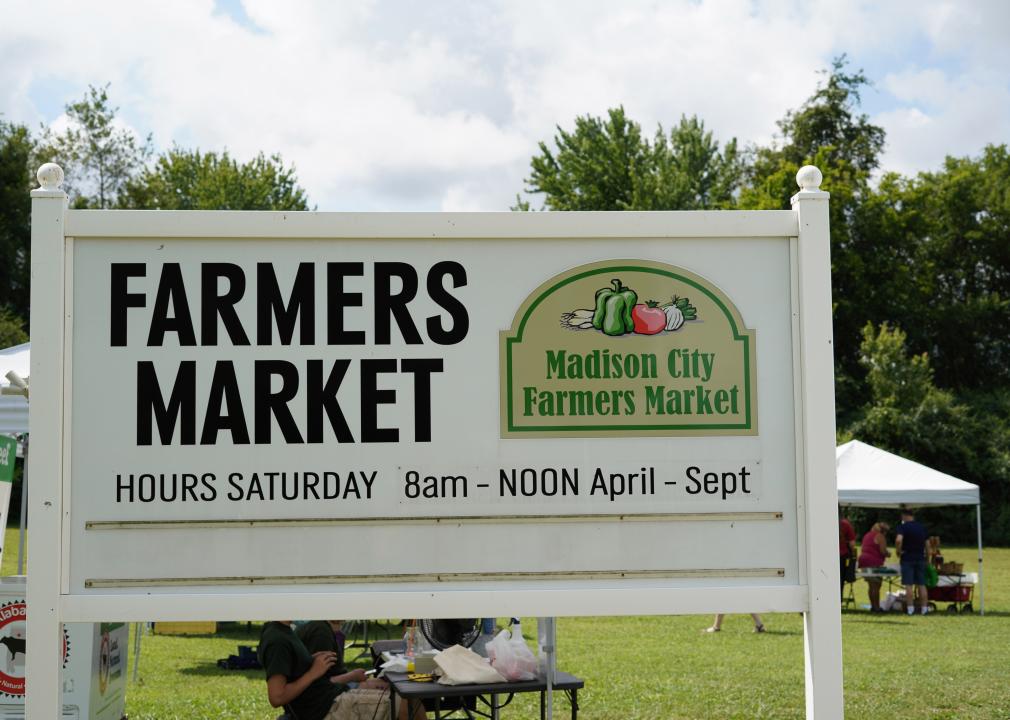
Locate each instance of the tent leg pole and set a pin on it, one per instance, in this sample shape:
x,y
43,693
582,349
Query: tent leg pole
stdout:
x,y
981,585
137,630
24,511
552,638
547,642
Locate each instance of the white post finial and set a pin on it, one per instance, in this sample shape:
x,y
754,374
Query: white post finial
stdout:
x,y
809,178
50,176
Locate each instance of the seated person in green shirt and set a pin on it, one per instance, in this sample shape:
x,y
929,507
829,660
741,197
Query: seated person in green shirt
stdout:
x,y
321,636
297,680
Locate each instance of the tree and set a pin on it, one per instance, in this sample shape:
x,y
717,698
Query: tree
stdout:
x,y
968,437
827,131
690,173
190,180
98,158
16,150
12,329
607,164
958,219
596,167
867,270
929,254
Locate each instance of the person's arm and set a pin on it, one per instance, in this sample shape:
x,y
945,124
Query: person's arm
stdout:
x,y
897,544
281,692
357,676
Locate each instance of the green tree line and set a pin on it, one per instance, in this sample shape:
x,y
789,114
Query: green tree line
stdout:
x,y
920,267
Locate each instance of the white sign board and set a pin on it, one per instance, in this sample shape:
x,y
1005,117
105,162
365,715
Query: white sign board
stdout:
x,y
269,414
260,463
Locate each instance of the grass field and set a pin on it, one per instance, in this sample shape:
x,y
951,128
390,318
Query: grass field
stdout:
x,y
940,666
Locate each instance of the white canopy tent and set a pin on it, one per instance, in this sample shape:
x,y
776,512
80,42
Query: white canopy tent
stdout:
x,y
871,477
13,408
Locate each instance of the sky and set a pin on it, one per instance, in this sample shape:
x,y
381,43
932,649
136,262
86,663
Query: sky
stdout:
x,y
384,105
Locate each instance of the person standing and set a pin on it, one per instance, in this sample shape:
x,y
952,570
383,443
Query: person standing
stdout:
x,y
716,626
910,546
873,552
846,554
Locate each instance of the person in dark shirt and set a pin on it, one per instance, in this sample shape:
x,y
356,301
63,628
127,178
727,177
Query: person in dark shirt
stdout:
x,y
325,636
297,679
910,545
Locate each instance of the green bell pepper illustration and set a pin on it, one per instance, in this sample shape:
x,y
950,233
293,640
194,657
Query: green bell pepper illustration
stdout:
x,y
613,309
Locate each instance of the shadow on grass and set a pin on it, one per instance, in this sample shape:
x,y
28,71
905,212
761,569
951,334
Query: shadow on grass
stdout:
x,y
209,668
934,614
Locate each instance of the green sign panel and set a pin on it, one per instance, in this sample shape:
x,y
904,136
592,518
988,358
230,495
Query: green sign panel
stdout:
x,y
8,455
628,347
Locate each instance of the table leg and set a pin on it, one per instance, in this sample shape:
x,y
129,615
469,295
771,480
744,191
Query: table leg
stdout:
x,y
543,706
392,702
494,707
575,703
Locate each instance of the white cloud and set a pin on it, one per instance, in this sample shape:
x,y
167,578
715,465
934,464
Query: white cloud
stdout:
x,y
942,115
398,105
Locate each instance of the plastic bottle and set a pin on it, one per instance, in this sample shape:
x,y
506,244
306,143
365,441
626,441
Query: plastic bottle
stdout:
x,y
516,628
411,637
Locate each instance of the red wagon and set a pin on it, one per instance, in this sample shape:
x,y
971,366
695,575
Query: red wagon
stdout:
x,y
954,589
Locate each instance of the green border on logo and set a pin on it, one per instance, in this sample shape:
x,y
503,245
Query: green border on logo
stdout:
x,y
515,335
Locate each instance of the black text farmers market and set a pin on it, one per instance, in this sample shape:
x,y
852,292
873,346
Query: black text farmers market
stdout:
x,y
244,406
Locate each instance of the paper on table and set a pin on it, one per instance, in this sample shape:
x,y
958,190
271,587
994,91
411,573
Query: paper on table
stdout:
x,y
462,666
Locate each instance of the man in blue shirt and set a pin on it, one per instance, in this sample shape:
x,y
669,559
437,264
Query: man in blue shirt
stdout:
x,y
910,546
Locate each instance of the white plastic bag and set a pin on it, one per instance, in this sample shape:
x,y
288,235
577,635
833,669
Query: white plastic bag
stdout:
x,y
512,657
889,601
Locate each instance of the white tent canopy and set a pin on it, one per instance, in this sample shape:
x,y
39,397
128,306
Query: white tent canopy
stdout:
x,y
14,408
871,477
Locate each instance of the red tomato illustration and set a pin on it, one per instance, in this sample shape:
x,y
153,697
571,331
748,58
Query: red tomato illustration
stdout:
x,y
649,318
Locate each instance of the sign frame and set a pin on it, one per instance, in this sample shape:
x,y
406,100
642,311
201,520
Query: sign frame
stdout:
x,y
54,230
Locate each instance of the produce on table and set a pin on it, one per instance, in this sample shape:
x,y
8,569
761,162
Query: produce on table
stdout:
x,y
613,309
649,318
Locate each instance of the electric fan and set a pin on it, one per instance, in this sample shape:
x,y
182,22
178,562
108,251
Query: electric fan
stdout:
x,y
444,633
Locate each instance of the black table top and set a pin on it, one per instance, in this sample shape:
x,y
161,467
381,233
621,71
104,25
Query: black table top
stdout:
x,y
420,690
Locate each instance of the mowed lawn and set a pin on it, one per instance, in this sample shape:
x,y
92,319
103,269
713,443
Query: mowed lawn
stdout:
x,y
940,666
